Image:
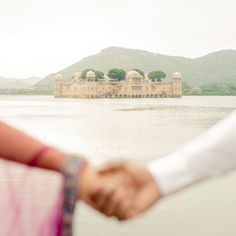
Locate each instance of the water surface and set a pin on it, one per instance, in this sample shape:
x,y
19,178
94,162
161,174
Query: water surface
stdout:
x,y
139,130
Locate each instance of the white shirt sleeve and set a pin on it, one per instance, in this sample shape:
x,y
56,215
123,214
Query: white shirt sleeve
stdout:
x,y
209,155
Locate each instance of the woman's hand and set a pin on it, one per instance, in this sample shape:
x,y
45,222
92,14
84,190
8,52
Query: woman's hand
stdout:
x,y
106,193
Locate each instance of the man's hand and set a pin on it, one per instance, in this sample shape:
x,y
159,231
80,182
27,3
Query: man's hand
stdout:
x,y
141,190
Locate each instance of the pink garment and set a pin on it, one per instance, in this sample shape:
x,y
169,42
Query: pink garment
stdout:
x,y
30,201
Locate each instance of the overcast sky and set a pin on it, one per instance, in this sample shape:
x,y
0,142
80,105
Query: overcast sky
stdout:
x,y
41,37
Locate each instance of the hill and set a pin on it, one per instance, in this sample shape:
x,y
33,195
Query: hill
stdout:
x,y
9,83
218,67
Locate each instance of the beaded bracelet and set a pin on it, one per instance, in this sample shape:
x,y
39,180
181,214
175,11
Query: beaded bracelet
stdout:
x,y
71,172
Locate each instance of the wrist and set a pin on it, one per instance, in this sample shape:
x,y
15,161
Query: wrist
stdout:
x,y
53,159
86,177
153,183
156,188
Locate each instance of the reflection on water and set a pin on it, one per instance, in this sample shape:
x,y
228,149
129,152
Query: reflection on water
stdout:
x,y
141,130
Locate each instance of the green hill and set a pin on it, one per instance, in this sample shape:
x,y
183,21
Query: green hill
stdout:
x,y
216,68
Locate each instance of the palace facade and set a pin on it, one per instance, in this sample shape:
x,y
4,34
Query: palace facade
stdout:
x,y
134,86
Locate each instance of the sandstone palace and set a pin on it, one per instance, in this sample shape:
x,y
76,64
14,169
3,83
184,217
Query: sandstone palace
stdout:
x,y
134,86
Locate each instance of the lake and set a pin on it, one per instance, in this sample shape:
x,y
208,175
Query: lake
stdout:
x,y
139,130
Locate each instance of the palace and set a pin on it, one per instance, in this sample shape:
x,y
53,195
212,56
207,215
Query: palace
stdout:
x,y
134,86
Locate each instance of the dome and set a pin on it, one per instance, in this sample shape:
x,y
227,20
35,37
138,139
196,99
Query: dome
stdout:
x,y
146,78
90,74
59,77
106,78
134,75
177,75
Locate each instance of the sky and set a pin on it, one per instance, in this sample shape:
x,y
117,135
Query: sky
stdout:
x,y
41,37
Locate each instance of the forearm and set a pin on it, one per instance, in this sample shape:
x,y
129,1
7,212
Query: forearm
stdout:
x,y
209,155
19,147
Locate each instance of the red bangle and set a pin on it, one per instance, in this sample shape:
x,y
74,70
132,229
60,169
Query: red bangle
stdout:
x,y
34,160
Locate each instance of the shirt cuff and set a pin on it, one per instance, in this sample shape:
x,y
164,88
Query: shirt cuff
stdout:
x,y
172,173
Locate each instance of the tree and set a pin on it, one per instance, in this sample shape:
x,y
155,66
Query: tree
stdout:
x,y
156,75
195,91
140,72
210,87
99,74
117,74
185,88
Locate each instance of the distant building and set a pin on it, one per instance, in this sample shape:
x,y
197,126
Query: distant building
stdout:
x,y
134,86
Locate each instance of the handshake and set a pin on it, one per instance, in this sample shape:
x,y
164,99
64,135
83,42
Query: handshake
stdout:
x,y
120,189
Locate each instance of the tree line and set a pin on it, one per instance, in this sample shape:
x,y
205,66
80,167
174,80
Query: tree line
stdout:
x,y
118,74
209,89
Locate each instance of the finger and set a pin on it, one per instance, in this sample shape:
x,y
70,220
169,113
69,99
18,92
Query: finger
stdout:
x,y
125,209
122,205
111,202
111,167
131,214
101,196
118,202
113,199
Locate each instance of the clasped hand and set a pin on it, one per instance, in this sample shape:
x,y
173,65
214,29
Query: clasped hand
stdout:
x,y
119,189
